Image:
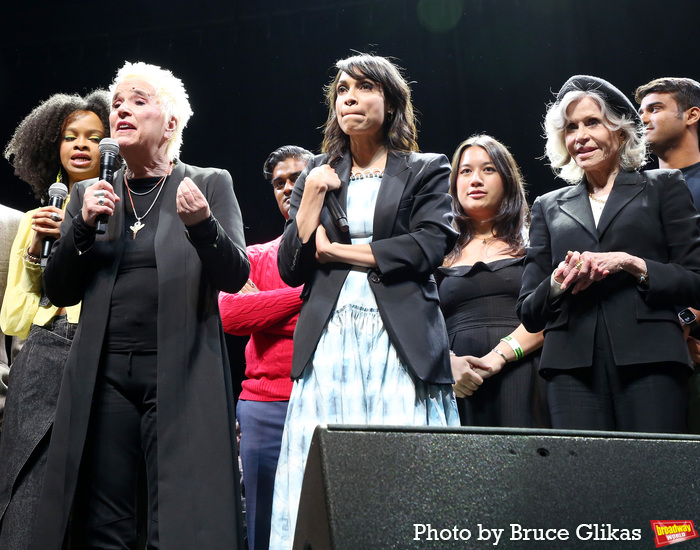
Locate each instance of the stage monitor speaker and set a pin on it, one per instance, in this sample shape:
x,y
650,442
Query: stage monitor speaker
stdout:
x,y
397,487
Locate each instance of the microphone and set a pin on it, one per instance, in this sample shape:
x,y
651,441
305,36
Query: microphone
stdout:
x,y
58,192
336,211
109,149
331,202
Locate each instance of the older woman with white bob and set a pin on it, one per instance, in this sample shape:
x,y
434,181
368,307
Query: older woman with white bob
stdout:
x,y
147,379
608,259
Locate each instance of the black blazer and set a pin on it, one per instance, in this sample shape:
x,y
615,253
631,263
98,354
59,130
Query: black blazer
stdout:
x,y
649,215
412,233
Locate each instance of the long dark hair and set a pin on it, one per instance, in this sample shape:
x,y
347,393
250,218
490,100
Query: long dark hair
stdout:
x,y
400,131
34,148
513,213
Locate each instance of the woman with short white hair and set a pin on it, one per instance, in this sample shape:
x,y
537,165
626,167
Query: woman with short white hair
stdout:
x,y
608,259
147,380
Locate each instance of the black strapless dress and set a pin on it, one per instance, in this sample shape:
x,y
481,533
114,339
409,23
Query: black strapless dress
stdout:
x,y
478,303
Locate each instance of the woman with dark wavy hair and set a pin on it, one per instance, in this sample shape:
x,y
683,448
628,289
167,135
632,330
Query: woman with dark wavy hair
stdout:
x,y
57,141
370,346
479,286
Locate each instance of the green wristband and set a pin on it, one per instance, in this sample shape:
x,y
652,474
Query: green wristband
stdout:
x,y
515,346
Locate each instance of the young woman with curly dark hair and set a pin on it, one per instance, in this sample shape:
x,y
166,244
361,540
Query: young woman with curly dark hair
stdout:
x,y
57,141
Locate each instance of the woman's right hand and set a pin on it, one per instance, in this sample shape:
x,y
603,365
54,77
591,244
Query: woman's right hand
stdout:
x,y
322,179
318,182
46,222
467,379
99,199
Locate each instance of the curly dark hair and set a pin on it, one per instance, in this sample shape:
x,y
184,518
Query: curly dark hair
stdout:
x,y
400,130
34,148
513,213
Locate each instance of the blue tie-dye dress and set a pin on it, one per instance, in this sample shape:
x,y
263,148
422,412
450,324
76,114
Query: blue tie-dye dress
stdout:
x,y
355,376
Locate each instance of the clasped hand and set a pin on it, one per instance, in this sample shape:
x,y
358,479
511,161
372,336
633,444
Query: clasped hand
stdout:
x,y
469,373
583,269
192,205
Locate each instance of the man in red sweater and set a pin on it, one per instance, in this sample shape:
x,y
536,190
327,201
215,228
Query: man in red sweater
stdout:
x,y
267,310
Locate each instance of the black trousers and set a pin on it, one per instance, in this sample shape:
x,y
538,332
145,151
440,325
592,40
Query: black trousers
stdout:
x,y
123,434
649,397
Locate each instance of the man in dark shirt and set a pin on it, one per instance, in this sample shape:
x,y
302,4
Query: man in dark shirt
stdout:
x,y
670,110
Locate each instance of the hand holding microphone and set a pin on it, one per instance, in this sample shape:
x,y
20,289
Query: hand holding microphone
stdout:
x,y
320,184
109,150
330,178
47,220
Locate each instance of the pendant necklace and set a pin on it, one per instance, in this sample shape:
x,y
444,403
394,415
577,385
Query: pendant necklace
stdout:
x,y
139,225
486,240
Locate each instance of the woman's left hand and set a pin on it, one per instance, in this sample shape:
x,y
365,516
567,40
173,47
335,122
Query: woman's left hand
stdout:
x,y
583,270
323,245
192,206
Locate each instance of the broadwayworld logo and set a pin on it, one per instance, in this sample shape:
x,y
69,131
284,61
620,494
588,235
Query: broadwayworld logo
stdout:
x,y
671,532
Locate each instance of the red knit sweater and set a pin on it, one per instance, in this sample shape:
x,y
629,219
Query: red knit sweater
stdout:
x,y
269,317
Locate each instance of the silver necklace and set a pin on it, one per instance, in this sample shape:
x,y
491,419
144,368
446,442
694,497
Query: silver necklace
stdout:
x,y
150,190
139,225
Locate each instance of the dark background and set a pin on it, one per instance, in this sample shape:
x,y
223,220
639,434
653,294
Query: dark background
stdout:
x,y
255,70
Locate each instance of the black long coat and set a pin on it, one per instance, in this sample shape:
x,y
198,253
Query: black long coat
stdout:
x,y
197,465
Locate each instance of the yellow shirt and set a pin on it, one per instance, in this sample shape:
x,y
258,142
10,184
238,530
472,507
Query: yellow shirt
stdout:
x,y
20,307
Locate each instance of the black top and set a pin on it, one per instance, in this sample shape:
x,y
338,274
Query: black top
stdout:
x,y
478,302
691,174
133,313
478,299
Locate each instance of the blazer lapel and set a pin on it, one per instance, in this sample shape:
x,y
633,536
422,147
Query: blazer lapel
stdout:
x,y
116,222
627,186
575,203
393,184
169,223
342,166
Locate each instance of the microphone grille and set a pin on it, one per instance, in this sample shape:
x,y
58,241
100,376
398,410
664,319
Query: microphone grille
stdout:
x,y
58,189
109,145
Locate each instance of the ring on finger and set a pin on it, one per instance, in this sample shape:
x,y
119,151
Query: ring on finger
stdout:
x,y
101,201
578,265
99,193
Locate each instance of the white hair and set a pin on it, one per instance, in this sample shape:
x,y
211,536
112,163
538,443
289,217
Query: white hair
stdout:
x,y
170,94
633,152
